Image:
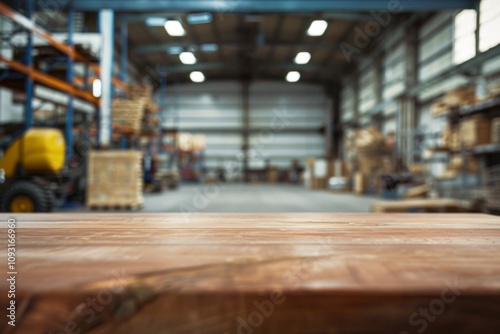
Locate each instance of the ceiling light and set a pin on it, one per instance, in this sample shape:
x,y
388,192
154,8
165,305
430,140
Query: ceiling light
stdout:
x,y
197,76
293,76
199,18
209,47
317,28
303,58
174,28
187,58
97,88
156,21
175,50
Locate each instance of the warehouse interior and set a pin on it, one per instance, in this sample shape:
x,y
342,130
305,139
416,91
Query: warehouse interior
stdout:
x,y
393,106
250,166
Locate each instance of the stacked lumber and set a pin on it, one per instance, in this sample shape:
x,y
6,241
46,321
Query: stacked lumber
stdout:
x,y
454,99
256,273
115,179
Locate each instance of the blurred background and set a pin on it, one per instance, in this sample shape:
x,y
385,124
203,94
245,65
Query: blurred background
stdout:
x,y
250,106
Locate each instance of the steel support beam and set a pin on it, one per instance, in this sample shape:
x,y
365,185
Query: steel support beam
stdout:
x,y
164,47
260,6
30,84
106,18
245,97
68,132
124,51
236,66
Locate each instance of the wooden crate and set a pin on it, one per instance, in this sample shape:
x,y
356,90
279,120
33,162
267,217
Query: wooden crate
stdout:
x,y
115,179
256,273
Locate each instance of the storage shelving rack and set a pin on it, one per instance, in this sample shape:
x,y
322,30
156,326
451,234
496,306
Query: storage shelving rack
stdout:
x,y
18,72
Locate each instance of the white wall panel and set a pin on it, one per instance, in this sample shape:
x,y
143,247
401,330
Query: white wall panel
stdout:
x,y
219,106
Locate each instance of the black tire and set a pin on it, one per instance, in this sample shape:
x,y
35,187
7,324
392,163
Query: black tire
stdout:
x,y
42,199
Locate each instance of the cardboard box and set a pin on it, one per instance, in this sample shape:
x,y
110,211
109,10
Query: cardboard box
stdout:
x,y
360,184
495,131
475,131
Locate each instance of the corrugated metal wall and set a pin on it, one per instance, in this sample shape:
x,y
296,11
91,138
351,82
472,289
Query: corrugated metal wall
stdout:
x,y
283,119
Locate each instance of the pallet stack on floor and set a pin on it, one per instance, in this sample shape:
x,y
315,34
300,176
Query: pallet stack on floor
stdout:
x,y
115,180
370,157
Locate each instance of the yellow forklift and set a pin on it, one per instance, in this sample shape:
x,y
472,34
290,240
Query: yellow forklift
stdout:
x,y
29,171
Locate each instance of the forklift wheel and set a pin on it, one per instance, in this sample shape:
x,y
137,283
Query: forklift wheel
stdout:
x,y
24,196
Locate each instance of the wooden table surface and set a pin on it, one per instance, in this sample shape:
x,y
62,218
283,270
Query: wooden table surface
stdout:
x,y
256,273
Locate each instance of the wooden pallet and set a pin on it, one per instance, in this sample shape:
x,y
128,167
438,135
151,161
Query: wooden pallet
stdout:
x,y
418,205
256,273
114,179
116,207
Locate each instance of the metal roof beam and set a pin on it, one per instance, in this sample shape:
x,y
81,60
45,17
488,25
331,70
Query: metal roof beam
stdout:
x,y
164,47
260,6
235,66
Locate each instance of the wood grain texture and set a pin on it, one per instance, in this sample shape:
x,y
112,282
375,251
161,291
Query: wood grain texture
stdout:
x,y
257,273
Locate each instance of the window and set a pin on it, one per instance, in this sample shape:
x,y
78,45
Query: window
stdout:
x,y
464,47
489,24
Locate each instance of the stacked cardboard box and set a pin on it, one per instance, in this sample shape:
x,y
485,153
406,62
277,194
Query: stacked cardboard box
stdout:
x,y
495,131
454,99
373,158
451,137
318,173
475,131
272,175
115,179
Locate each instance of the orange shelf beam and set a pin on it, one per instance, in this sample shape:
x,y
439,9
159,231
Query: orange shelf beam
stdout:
x,y
66,49
50,81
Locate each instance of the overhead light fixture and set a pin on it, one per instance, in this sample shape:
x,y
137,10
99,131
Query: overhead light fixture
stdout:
x,y
317,28
293,76
187,58
303,58
199,18
174,28
175,50
97,88
197,76
209,47
156,21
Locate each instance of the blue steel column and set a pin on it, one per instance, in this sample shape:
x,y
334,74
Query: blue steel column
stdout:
x,y
124,67
70,79
30,87
163,105
124,52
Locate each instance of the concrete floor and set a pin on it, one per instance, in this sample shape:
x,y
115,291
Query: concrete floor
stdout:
x,y
253,198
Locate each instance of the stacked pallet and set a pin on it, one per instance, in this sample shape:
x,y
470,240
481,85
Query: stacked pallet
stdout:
x,y
115,179
129,112
454,99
